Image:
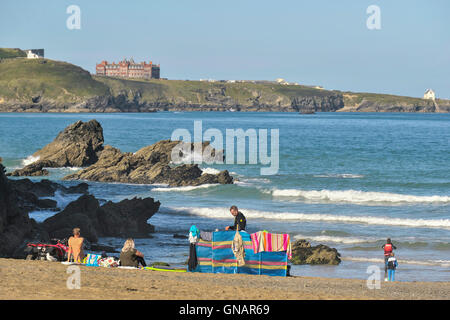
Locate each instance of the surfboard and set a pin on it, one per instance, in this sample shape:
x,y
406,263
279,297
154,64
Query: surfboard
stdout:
x,y
163,268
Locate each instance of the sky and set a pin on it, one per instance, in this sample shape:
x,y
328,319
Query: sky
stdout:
x,y
319,42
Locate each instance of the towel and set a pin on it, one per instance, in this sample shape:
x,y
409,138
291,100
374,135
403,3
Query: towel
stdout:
x,y
271,242
238,249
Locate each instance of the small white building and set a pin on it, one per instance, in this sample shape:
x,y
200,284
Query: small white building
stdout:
x,y
35,53
429,94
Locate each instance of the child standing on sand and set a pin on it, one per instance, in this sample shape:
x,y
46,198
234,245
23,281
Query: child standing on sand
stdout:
x,y
391,265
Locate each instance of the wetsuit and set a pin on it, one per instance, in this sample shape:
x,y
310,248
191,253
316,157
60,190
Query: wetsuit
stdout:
x,y
239,220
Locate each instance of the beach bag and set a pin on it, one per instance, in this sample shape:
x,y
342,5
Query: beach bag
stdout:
x,y
108,262
92,259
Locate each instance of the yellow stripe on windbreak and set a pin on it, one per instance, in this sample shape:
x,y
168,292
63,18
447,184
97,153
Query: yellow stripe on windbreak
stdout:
x,y
224,243
248,266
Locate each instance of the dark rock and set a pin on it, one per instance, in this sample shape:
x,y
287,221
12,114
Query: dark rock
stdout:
x,y
304,253
46,203
149,165
15,225
34,169
77,145
127,218
101,247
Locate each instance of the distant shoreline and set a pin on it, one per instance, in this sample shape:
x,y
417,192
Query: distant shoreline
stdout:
x,y
44,85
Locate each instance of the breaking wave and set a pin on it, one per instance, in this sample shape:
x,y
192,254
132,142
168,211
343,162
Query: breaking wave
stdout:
x,y
210,171
339,175
312,217
355,196
441,263
185,188
30,160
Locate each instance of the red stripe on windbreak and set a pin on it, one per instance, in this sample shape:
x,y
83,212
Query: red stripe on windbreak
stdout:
x,y
204,259
225,261
204,244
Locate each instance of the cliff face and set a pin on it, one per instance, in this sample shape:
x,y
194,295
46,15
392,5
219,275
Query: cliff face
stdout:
x,y
370,102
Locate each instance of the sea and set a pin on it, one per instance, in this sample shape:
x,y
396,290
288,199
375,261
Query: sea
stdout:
x,y
345,180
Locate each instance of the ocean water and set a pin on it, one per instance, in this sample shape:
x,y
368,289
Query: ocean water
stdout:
x,y
347,180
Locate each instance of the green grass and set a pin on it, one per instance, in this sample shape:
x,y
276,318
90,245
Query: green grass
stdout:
x,y
384,99
22,79
6,53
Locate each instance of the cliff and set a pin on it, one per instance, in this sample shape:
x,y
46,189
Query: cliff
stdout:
x,y
43,85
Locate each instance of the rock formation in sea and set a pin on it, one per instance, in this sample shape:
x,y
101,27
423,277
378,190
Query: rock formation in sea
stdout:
x,y
151,164
127,218
304,253
81,144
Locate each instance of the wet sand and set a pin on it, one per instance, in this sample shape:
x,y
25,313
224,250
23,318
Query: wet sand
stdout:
x,y
22,279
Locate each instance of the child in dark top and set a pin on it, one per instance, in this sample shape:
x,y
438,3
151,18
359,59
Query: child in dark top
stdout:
x,y
391,265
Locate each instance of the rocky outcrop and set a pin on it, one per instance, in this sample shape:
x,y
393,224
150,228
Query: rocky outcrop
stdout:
x,y
149,165
304,253
15,225
77,145
29,193
127,218
81,144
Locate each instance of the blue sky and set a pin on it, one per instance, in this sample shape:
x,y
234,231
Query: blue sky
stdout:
x,y
316,42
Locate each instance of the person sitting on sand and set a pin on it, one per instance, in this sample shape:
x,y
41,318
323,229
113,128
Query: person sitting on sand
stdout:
x,y
388,248
130,256
75,247
391,265
239,219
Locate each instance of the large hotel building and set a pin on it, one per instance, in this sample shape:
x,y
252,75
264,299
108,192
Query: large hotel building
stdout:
x,y
128,69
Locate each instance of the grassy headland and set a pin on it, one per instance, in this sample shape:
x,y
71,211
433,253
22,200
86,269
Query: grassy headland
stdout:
x,y
44,85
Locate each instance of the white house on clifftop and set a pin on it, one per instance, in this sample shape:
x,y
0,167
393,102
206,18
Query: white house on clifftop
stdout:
x,y
429,94
35,53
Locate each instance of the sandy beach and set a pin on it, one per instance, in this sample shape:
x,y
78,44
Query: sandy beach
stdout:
x,y
22,279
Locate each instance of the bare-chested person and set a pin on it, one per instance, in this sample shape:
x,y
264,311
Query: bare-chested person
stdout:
x,y
76,247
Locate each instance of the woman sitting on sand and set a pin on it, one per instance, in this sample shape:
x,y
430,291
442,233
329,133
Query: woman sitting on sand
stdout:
x,y
131,257
75,247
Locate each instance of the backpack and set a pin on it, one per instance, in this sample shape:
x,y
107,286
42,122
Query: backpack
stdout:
x,y
392,263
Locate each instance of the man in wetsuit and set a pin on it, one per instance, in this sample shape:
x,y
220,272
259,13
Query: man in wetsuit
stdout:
x,y
239,219
388,248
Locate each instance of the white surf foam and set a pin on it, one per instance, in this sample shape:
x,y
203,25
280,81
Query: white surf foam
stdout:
x,y
340,175
185,188
63,199
440,263
221,212
30,160
210,171
344,240
355,196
